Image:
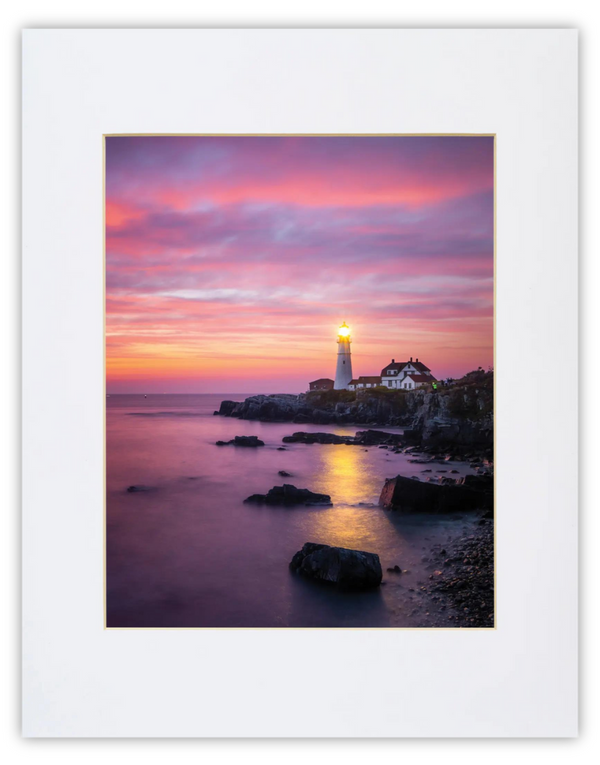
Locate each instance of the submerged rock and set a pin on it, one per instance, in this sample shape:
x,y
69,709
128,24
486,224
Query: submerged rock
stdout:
x,y
242,441
138,487
289,495
350,569
408,496
284,474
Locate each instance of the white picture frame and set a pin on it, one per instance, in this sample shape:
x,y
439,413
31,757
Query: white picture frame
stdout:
x,y
80,680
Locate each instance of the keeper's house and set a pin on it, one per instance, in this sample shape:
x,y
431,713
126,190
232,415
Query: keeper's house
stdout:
x,y
323,383
364,382
410,382
406,375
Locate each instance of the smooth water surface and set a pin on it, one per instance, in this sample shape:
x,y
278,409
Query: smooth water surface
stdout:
x,y
189,553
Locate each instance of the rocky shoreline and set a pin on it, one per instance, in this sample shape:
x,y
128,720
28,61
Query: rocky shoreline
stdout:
x,y
457,420
464,576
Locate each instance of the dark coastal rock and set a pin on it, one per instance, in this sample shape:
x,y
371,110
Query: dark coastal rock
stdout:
x,y
289,495
138,487
316,438
377,437
322,417
242,441
482,483
360,407
350,569
460,419
446,481
362,438
227,407
301,418
408,496
277,408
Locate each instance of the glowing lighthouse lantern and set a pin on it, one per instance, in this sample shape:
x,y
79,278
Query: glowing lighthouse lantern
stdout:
x,y
343,373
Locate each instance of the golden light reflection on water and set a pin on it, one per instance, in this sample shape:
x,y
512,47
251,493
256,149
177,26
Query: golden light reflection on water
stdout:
x,y
348,478
344,472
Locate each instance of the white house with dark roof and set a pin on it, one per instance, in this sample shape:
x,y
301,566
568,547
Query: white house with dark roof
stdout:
x,y
412,381
396,375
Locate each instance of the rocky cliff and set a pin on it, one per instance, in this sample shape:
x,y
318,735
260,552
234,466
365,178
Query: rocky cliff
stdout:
x,y
458,417
325,408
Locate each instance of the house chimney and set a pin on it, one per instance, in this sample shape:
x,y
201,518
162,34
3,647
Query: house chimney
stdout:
x,y
393,361
411,358
417,360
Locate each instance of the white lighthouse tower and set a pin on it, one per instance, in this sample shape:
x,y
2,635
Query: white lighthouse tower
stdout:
x,y
343,373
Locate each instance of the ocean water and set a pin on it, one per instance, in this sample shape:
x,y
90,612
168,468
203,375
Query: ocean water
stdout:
x,y
189,553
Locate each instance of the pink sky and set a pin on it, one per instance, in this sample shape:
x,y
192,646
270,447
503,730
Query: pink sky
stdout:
x,y
230,262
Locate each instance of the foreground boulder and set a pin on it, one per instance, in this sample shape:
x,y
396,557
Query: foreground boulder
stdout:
x,y
408,496
350,569
289,495
242,441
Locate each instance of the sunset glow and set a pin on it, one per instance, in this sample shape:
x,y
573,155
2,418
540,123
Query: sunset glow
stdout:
x,y
231,262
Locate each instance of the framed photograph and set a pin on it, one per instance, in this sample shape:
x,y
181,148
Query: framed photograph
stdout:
x,y
291,326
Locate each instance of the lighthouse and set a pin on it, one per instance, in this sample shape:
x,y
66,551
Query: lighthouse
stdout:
x,y
343,373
